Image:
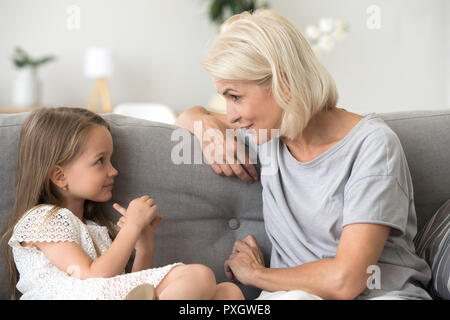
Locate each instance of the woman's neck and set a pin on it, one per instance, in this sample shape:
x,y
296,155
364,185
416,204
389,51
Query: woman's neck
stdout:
x,y
324,130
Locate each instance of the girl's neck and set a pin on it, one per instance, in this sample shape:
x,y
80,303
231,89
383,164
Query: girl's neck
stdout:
x,y
76,207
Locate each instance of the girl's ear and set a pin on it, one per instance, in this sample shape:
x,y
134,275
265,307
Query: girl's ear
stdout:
x,y
57,176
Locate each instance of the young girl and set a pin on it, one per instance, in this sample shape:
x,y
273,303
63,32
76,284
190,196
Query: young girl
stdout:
x,y
60,243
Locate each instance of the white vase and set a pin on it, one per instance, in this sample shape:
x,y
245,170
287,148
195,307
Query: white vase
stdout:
x,y
27,88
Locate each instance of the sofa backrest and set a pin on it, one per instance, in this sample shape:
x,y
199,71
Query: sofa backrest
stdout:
x,y
425,137
204,213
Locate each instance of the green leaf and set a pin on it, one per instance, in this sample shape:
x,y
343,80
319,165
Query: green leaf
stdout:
x,y
22,59
217,8
43,60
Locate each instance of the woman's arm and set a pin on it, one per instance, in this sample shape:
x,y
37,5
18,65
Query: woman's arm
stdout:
x,y
342,277
217,121
187,118
71,258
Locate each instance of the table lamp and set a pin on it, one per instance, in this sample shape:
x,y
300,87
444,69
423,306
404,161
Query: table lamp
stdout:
x,y
98,65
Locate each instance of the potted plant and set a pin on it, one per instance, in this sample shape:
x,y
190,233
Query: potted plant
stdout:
x,y
27,87
220,10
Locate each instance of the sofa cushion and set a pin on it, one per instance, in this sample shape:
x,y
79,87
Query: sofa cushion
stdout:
x,y
432,244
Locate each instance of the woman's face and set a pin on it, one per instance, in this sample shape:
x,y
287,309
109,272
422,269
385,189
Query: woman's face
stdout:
x,y
251,106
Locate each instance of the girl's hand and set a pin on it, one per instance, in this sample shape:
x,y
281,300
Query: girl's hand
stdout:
x,y
145,240
140,212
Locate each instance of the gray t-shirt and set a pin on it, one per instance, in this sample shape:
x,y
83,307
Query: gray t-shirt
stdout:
x,y
364,178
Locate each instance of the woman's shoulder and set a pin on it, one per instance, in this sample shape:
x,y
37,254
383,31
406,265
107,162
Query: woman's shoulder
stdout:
x,y
378,150
377,136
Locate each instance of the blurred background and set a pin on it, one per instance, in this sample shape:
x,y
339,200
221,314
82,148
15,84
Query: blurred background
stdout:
x,y
144,56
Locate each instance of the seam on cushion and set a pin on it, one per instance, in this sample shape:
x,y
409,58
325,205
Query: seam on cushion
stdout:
x,y
151,124
414,117
11,125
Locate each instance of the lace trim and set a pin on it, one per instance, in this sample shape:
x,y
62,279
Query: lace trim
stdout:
x,y
37,227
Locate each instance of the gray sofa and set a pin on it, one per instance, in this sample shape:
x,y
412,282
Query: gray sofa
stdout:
x,y
205,213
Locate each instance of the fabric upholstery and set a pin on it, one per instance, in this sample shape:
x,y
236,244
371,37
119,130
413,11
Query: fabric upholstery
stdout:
x,y
204,213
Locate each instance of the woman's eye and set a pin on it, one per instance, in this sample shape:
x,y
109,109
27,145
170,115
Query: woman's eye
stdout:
x,y
234,98
101,159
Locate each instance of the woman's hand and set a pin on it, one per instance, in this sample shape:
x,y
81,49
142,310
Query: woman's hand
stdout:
x,y
245,259
226,154
225,159
146,237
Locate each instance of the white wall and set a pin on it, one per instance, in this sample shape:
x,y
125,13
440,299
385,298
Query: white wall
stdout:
x,y
158,46
399,67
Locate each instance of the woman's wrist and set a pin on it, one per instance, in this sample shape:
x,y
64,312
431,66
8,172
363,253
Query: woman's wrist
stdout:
x,y
258,276
187,118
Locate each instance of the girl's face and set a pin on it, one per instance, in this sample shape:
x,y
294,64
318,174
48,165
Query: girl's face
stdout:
x,y
251,106
91,175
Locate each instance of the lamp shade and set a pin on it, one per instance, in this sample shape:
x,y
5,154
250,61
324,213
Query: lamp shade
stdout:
x,y
97,62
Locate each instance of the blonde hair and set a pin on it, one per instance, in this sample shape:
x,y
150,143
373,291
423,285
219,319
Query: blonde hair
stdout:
x,y
267,49
48,137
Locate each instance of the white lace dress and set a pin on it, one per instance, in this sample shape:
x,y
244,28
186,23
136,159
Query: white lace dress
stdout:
x,y
39,279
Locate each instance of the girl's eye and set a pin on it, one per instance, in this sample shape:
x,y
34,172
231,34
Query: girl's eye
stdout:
x,y
101,159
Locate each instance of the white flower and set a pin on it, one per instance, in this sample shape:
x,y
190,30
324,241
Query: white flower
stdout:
x,y
326,42
340,30
325,25
312,32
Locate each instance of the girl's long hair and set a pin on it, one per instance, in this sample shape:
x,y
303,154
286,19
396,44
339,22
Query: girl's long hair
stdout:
x,y
48,137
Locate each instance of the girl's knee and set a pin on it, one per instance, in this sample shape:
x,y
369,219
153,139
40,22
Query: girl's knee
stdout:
x,y
229,290
202,273
203,277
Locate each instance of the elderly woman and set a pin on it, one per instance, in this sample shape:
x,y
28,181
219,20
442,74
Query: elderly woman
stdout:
x,y
337,196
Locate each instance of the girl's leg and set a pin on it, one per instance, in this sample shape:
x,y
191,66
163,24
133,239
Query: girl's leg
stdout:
x,y
187,282
228,291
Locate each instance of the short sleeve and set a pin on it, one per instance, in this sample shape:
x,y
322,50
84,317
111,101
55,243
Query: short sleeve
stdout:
x,y
378,200
42,225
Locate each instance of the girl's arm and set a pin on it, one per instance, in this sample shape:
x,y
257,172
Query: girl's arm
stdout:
x,y
143,260
72,259
145,246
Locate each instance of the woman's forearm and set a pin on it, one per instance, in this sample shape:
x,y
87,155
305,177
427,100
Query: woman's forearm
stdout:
x,y
321,278
187,118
